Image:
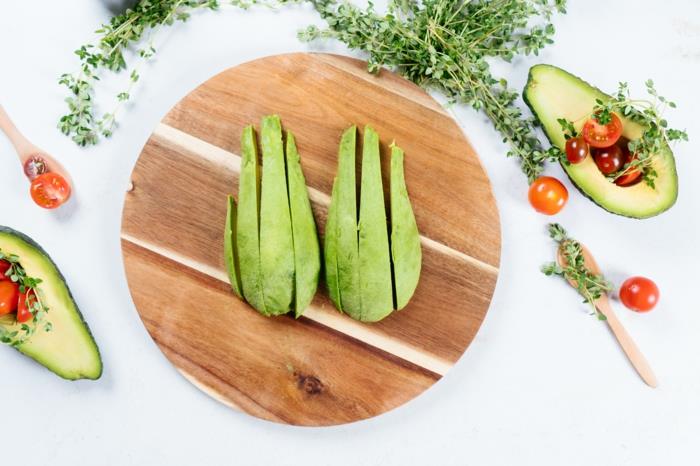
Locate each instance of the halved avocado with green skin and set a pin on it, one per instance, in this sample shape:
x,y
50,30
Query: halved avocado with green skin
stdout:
x,y
69,349
553,93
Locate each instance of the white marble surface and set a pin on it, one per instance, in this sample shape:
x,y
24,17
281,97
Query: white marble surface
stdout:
x,y
543,383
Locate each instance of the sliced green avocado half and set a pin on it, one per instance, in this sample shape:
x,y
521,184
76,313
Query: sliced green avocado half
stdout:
x,y
553,93
69,349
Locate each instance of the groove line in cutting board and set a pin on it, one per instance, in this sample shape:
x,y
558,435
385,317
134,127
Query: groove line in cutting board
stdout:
x,y
327,318
228,159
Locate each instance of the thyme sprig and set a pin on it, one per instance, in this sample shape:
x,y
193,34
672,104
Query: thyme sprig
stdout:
x,y
10,335
139,25
590,285
445,45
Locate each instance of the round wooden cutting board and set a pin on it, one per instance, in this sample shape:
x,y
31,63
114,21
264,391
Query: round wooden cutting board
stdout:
x,y
323,368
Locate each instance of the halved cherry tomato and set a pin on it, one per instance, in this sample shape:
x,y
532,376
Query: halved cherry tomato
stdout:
x,y
639,294
609,159
576,149
50,190
24,312
4,267
9,296
632,176
547,195
598,135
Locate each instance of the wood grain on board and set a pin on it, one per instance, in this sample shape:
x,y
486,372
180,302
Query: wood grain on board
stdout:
x,y
324,368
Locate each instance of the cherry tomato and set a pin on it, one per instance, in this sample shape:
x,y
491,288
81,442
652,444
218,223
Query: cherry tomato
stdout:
x,y
576,150
50,190
632,176
4,267
547,195
35,166
639,294
24,312
609,159
598,135
9,296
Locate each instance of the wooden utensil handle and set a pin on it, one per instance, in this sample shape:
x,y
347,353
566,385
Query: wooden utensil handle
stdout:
x,y
639,362
22,144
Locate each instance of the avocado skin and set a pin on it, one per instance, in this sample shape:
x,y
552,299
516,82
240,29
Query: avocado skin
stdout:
x,y
34,245
530,84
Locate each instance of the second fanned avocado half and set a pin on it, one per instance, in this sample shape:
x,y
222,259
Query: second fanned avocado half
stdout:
x,y
369,271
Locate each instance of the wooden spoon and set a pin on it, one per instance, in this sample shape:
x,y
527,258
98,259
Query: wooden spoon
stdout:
x,y
25,149
628,345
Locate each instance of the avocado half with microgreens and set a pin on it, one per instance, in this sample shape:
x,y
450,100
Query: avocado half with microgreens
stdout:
x,y
271,246
371,269
68,349
552,93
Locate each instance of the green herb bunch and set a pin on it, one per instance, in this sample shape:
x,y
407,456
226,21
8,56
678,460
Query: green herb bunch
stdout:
x,y
29,285
590,285
124,32
445,45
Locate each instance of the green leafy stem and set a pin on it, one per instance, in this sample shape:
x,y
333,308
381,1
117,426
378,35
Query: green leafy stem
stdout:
x,y
9,333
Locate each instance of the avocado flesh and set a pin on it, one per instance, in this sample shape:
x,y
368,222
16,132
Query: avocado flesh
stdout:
x,y
69,349
307,253
346,217
375,263
330,248
553,93
230,250
248,222
405,240
276,243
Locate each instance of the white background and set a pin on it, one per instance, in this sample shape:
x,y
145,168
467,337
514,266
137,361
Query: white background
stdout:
x,y
543,382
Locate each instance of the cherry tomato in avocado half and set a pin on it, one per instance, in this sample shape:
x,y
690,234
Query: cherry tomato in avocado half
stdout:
x,y
639,294
602,135
4,267
50,190
576,150
630,177
24,305
547,195
609,160
9,297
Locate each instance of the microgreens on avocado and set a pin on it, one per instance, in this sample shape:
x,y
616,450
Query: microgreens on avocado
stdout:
x,y
646,112
590,285
34,302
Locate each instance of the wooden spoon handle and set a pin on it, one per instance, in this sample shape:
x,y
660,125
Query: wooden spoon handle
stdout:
x,y
22,144
639,362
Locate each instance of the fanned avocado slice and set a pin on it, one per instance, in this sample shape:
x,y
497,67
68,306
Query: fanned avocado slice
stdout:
x,y
230,249
347,241
276,243
553,93
307,253
330,248
69,349
248,222
405,240
375,263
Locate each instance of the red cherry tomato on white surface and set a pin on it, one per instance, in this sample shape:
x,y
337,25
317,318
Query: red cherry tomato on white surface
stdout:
x,y
639,294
